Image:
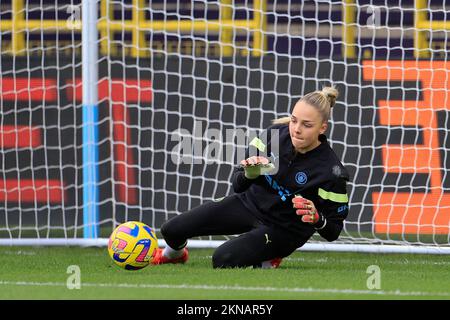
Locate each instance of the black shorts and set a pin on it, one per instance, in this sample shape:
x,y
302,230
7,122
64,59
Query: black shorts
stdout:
x,y
256,243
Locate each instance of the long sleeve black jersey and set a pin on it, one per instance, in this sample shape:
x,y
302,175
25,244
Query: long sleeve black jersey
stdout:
x,y
317,175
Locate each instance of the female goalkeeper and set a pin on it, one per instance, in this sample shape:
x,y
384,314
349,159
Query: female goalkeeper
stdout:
x,y
274,213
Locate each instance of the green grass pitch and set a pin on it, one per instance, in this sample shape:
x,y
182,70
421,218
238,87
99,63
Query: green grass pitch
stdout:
x,y
42,273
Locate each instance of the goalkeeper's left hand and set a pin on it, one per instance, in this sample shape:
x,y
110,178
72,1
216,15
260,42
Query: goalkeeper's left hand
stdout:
x,y
256,166
306,209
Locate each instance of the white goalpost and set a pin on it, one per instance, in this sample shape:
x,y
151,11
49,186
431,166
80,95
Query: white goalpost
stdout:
x,y
139,110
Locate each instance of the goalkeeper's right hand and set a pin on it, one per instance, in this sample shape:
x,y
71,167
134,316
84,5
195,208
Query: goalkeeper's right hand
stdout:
x,y
256,166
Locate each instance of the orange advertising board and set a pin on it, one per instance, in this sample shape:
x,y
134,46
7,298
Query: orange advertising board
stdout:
x,y
410,211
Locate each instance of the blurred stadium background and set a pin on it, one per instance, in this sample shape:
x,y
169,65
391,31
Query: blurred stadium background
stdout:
x,y
198,65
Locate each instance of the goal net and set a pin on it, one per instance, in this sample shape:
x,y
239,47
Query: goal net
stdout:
x,y
183,86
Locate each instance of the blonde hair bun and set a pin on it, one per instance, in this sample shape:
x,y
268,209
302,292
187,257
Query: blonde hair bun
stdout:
x,y
331,93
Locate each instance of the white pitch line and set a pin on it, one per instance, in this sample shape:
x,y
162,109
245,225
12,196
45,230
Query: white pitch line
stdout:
x,y
236,288
345,261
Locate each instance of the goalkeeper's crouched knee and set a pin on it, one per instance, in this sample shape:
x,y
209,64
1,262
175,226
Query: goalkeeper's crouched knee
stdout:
x,y
226,259
222,260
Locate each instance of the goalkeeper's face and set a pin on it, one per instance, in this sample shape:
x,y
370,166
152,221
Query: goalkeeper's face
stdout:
x,y
305,127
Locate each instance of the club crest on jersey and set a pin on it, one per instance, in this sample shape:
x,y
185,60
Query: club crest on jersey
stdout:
x,y
301,178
